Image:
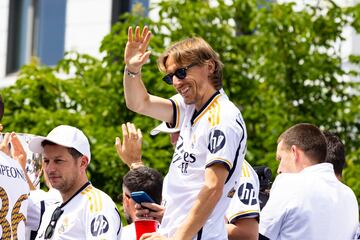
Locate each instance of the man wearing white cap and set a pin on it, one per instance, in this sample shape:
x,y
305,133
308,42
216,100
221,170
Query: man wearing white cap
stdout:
x,y
86,212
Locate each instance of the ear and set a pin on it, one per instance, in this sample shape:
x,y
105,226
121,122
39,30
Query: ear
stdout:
x,y
84,162
295,153
211,66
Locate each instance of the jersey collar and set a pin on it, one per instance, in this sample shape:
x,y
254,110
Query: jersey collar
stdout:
x,y
198,114
78,191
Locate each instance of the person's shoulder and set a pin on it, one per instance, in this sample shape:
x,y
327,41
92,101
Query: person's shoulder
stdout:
x,y
97,199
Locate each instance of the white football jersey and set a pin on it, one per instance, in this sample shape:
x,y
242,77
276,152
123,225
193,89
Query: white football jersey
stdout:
x,y
128,232
39,200
312,204
89,214
214,135
245,202
14,191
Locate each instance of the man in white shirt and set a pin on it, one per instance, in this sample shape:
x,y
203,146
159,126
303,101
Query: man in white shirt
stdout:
x,y
242,214
86,212
208,156
14,189
139,179
306,200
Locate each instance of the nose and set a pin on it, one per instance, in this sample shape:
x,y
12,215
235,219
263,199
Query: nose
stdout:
x,y
176,81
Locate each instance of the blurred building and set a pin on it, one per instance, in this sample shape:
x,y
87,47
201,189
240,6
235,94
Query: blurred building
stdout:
x,y
47,29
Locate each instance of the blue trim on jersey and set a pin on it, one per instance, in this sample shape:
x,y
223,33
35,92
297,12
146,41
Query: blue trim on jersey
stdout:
x,y
199,234
262,237
237,153
197,113
120,221
218,161
247,215
173,124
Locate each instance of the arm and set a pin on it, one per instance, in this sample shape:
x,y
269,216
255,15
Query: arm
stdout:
x,y
243,229
136,96
18,153
215,176
129,150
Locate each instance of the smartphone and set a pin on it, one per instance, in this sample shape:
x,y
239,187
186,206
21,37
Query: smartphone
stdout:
x,y
141,196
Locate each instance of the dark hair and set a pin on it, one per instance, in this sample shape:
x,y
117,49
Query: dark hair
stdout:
x,y
335,152
144,179
194,50
74,153
308,138
1,108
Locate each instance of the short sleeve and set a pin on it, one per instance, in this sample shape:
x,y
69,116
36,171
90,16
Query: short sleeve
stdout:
x,y
227,143
103,222
245,202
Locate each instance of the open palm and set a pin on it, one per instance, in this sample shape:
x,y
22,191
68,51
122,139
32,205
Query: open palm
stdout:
x,y
135,50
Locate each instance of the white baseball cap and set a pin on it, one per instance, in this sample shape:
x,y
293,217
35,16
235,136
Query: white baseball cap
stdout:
x,y
66,136
163,128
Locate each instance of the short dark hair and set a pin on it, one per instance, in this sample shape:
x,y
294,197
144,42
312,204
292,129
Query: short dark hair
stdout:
x,y
308,138
335,152
144,179
1,108
74,153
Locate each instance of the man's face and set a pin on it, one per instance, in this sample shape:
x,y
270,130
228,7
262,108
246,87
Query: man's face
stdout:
x,y
196,87
286,157
128,205
62,169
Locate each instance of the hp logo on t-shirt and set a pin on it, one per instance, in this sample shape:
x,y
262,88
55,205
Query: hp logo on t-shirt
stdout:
x,y
216,140
99,225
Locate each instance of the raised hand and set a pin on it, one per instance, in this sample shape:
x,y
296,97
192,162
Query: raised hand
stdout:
x,y
136,53
17,151
129,150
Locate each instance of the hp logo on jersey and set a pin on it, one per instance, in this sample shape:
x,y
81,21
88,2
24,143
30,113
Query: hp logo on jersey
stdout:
x,y
216,140
99,225
247,194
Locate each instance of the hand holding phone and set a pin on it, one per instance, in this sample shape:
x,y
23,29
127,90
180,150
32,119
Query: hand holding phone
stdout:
x,y
141,196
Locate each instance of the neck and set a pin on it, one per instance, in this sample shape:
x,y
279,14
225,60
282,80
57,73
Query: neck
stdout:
x,y
204,98
73,190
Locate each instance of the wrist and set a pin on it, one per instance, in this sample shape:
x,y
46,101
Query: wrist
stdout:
x,y
136,165
132,71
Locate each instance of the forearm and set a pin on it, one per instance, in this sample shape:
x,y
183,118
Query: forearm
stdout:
x,y
199,213
135,91
245,229
205,203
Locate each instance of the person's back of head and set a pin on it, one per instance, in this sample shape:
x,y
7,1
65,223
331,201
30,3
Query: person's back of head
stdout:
x,y
144,179
335,152
308,138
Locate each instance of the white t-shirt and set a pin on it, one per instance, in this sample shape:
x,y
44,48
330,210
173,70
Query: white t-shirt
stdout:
x,y
215,134
89,214
39,200
128,232
245,202
14,192
312,204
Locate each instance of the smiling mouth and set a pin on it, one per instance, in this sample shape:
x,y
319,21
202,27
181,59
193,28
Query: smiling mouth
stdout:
x,y
184,90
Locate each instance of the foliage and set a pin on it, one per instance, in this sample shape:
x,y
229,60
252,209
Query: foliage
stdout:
x,y
281,67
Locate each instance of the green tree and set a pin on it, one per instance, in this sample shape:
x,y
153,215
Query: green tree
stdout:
x,y
281,67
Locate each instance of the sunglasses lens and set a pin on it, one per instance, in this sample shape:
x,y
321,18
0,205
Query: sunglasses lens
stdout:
x,y
180,73
168,79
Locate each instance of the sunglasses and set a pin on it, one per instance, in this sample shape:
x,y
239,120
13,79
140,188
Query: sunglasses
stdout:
x,y
180,73
54,218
